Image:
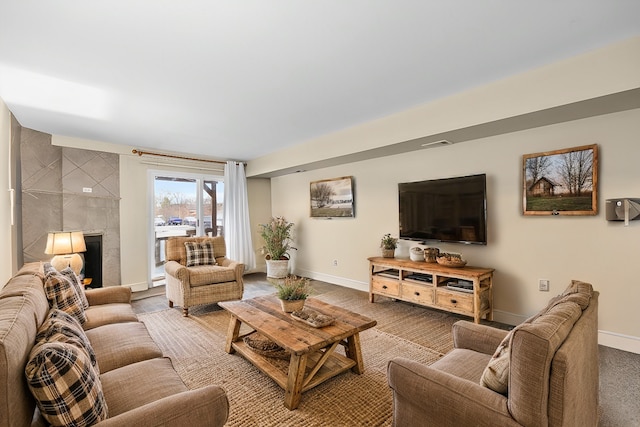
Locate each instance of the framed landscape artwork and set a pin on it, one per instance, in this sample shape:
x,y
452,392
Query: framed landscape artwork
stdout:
x,y
332,198
561,182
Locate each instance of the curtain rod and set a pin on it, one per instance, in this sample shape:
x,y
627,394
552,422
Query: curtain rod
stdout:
x,y
173,156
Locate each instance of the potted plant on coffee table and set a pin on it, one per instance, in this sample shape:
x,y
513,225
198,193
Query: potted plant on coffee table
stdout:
x,y
292,292
388,245
277,238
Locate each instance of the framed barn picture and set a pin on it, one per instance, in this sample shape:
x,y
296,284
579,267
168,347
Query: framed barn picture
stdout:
x,y
332,198
561,182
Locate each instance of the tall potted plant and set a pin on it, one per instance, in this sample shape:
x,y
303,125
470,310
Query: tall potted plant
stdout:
x,y
277,237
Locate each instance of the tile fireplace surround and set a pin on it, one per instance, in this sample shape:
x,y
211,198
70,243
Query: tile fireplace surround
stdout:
x,y
54,197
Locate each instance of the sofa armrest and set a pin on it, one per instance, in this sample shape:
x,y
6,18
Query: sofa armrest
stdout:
x,y
235,265
177,270
207,406
109,295
425,396
481,338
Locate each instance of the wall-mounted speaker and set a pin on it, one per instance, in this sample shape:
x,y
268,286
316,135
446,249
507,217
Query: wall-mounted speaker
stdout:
x,y
624,209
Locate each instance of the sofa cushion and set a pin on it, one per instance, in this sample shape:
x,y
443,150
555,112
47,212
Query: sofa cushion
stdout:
x,y
199,253
463,363
62,327
208,274
66,386
63,296
578,292
121,344
140,383
105,314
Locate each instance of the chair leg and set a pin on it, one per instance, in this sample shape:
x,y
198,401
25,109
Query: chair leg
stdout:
x,y
170,304
185,311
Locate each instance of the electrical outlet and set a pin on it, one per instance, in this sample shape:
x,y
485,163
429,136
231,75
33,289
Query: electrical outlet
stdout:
x,y
335,262
543,285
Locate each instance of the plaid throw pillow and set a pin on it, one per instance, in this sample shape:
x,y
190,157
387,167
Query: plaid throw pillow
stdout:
x,y
65,385
75,281
63,296
199,253
62,327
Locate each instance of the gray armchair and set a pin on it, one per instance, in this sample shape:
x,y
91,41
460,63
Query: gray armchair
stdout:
x,y
201,284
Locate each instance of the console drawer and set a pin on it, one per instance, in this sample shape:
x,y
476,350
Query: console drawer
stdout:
x,y
417,293
383,285
454,300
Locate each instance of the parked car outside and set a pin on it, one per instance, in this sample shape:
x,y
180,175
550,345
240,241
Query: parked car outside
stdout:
x,y
174,221
158,221
190,220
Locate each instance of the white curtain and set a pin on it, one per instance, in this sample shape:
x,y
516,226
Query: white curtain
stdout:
x,y
236,216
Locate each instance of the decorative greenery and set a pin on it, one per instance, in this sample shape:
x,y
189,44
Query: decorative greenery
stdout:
x,y
293,288
388,242
277,237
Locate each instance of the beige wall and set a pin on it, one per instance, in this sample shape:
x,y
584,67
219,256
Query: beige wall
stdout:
x,y
6,262
521,249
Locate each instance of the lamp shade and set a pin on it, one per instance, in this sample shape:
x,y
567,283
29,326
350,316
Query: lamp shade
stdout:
x,y
65,242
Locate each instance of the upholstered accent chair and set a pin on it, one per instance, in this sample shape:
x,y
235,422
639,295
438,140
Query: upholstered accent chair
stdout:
x,y
542,373
198,272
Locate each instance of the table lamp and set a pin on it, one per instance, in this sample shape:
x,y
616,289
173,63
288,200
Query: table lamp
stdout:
x,y
65,245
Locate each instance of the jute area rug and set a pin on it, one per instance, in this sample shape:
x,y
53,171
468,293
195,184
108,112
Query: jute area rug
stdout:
x,y
195,344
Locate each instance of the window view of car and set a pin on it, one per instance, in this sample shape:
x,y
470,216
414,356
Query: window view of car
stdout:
x,y
190,220
174,221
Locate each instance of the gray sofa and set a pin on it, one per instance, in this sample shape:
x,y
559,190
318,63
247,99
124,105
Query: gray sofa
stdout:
x,y
140,387
543,373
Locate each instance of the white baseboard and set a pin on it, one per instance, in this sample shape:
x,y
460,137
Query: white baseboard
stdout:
x,y
621,342
335,280
137,287
508,318
608,339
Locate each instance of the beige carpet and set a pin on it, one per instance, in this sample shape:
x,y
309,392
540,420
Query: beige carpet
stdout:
x,y
195,344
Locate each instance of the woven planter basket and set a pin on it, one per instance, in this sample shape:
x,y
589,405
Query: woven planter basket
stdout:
x,y
388,253
289,306
277,269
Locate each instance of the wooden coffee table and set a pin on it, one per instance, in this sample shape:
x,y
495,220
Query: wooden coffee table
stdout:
x,y
313,357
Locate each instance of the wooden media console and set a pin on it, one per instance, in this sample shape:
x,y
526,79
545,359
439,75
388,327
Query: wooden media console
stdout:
x,y
467,290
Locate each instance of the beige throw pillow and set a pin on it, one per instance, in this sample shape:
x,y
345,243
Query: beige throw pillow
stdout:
x,y
496,375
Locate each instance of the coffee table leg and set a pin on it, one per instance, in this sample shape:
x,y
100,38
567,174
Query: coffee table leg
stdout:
x,y
232,334
293,392
354,353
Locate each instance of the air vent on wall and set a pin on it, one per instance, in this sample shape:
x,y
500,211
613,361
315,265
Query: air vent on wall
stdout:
x,y
437,143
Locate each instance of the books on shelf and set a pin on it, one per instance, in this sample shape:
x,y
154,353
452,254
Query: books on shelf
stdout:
x,y
390,272
421,277
460,285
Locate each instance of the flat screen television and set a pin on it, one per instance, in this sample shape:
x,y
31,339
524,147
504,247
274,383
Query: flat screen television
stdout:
x,y
444,210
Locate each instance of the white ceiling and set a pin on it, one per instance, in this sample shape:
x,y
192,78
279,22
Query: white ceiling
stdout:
x,y
241,79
